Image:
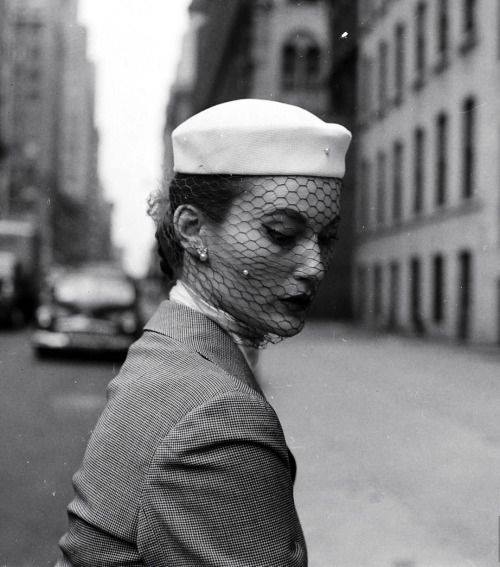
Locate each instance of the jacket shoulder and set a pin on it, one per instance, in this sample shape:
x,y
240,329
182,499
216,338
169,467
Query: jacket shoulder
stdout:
x,y
163,372
159,384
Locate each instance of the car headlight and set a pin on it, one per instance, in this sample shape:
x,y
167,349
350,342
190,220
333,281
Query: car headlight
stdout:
x,y
128,322
44,316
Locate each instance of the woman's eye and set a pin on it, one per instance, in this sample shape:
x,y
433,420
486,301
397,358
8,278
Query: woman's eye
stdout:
x,y
278,236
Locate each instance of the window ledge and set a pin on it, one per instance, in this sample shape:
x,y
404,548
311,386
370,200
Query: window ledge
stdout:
x,y
440,215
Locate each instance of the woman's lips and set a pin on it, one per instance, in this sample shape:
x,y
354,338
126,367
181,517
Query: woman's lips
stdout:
x,y
299,302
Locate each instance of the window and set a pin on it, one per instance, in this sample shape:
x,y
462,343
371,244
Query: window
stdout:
x,y
441,158
370,85
419,171
415,291
469,17
399,63
313,62
381,182
469,25
498,312
439,287
361,292
420,46
382,78
498,28
443,25
468,144
365,87
397,181
301,62
377,291
464,293
394,294
289,56
363,196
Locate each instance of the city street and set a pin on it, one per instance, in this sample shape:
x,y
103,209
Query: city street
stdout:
x,y
398,447
397,443
47,410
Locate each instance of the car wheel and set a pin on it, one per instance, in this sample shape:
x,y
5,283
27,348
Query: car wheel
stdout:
x,y
42,352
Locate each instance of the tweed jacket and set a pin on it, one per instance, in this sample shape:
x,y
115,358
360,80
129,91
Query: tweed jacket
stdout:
x,y
188,465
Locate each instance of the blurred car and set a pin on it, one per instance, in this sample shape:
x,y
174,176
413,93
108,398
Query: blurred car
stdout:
x,y
88,310
11,313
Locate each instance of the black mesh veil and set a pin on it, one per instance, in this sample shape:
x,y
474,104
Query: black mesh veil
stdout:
x,y
265,246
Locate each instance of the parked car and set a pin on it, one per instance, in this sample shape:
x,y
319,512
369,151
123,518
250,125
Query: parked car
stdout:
x,y
11,312
88,310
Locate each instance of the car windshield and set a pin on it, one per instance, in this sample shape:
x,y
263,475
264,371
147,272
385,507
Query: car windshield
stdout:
x,y
91,291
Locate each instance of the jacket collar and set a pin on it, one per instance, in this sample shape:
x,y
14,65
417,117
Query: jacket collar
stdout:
x,y
203,335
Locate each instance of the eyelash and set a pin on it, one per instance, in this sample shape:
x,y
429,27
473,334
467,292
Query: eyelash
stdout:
x,y
279,237
283,239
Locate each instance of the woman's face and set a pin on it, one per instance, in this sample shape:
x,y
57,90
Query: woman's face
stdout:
x,y
269,254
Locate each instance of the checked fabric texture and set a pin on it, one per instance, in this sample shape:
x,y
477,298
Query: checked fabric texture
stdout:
x,y
188,465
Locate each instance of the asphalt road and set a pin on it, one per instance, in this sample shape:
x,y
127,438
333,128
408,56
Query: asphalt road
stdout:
x,y
397,443
398,446
47,411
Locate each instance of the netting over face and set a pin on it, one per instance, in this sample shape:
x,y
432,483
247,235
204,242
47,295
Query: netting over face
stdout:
x,y
268,240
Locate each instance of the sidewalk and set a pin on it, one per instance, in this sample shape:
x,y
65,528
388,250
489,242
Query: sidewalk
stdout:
x,y
398,446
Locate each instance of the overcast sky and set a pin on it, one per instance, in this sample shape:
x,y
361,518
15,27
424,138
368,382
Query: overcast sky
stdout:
x,y
135,45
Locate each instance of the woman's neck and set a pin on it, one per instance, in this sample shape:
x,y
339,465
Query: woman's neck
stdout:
x,y
241,333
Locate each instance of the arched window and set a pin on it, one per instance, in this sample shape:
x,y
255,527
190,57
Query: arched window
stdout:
x,y
301,62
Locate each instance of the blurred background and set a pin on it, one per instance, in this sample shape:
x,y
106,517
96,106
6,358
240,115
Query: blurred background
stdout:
x,y
398,432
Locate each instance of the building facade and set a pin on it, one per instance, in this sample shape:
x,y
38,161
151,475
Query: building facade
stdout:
x,y
428,209
48,163
267,49
5,108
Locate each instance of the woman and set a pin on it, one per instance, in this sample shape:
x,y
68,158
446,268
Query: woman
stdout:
x,y
188,465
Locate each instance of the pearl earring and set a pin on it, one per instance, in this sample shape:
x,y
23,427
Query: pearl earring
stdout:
x,y
245,273
203,253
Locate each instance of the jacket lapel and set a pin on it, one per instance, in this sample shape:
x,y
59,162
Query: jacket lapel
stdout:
x,y
203,335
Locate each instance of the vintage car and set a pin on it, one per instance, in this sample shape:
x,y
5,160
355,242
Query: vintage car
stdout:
x,y
88,310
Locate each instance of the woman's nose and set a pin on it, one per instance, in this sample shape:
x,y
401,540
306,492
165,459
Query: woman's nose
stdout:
x,y
310,264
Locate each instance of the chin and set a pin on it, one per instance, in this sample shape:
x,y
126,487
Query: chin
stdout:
x,y
288,327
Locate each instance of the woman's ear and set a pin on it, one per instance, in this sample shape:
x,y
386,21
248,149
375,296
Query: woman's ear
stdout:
x,y
188,222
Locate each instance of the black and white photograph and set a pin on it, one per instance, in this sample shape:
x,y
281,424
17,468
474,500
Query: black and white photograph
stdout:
x,y
249,283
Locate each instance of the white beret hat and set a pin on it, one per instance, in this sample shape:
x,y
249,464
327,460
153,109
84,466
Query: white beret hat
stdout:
x,y
259,137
